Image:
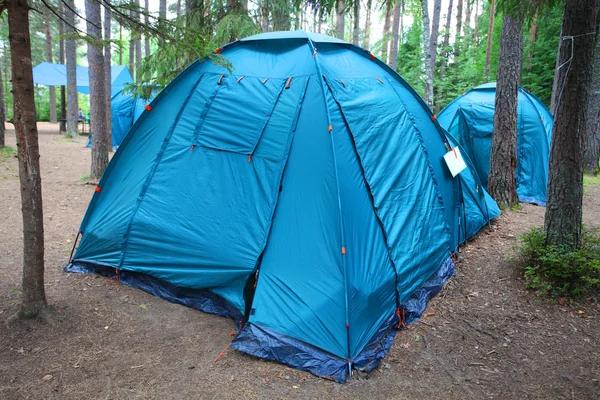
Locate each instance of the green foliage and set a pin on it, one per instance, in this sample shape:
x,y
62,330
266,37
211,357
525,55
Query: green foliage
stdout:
x,y
557,271
7,152
410,66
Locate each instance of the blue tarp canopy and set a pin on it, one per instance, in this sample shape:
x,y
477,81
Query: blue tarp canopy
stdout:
x,y
470,120
50,74
302,193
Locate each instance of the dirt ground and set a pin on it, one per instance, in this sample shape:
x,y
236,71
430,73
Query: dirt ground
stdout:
x,y
484,336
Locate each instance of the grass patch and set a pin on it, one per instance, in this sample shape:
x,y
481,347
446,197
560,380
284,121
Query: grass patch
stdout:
x,y
591,180
7,152
556,271
84,178
516,207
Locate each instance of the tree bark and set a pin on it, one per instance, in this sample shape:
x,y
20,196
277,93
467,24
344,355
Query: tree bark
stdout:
x,y
488,48
100,144
458,37
51,89
263,10
138,50
356,33
162,9
340,12
592,131
63,94
435,31
385,41
2,113
132,49
468,12
146,38
445,51
502,181
533,34
368,25
108,73
565,174
428,95
178,8
34,296
71,54
395,35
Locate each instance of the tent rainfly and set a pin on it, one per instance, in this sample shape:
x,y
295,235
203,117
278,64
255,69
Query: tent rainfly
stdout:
x,y
302,193
470,119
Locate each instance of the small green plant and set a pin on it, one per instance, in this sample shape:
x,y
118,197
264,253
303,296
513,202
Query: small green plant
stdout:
x,y
84,178
557,271
591,180
7,152
516,207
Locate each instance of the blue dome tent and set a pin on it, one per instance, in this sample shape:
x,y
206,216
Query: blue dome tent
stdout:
x,y
470,119
303,193
125,109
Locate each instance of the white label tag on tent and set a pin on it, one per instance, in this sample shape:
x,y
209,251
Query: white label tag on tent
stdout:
x,y
455,161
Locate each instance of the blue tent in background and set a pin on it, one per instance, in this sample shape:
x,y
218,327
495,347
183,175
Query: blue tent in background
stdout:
x,y
125,110
470,119
302,193
50,74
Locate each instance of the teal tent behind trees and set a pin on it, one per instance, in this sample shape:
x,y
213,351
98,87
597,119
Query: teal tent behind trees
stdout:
x,y
50,74
302,193
470,119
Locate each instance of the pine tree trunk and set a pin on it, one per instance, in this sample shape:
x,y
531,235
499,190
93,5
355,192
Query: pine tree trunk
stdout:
x,y
458,37
476,31
368,25
100,144
445,52
468,12
565,174
435,31
356,33
71,55
488,48
121,43
592,131
146,38
502,181
178,8
138,50
533,34
395,36
264,15
51,89
63,94
162,9
2,113
108,73
132,49
340,12
385,41
34,296
428,95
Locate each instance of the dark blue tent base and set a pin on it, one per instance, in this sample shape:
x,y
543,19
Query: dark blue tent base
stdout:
x,y
532,201
266,343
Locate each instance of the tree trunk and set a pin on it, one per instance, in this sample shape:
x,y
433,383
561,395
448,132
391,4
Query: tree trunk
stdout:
x,y
340,11
428,95
178,8
533,34
502,181
121,43
34,296
356,33
132,48
476,29
71,54
385,41
263,11
592,131
468,12
445,51
395,36
458,37
2,114
488,48
108,73
51,89
162,9
565,174
146,38
100,144
435,30
63,94
368,25
138,49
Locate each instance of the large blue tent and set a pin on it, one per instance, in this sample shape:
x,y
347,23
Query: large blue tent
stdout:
x,y
302,193
470,119
50,74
